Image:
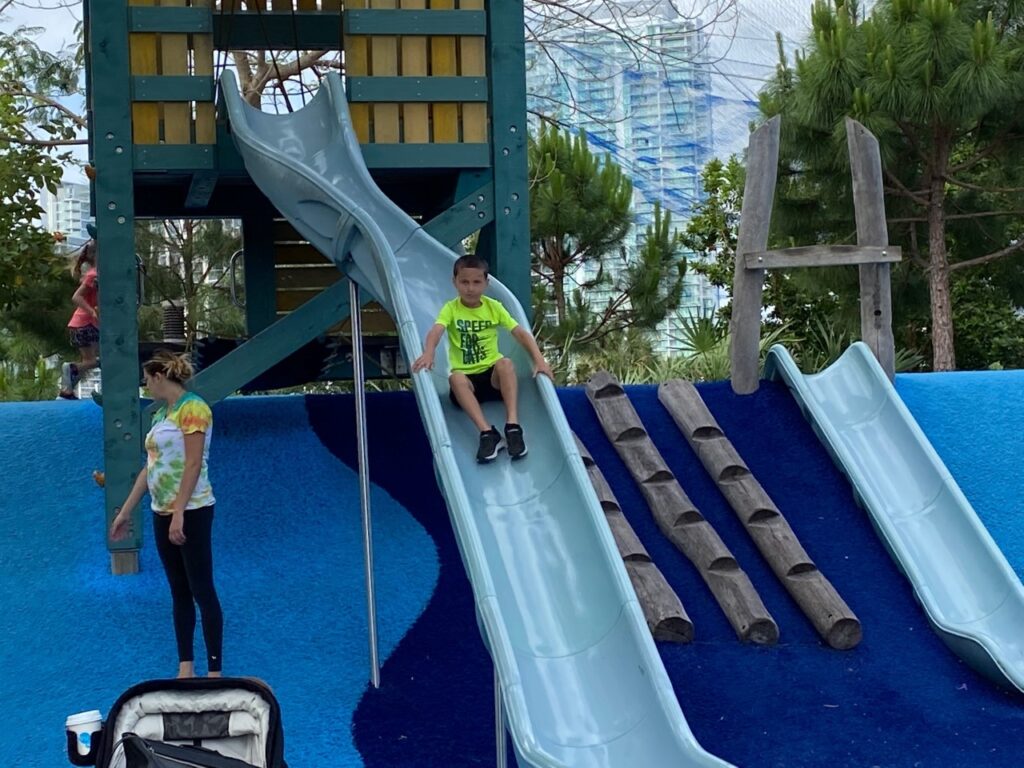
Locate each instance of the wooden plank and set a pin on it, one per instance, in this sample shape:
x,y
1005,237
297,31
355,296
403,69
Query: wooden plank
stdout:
x,y
283,231
174,61
822,256
306,277
775,539
677,517
473,56
384,63
666,617
307,5
289,301
875,279
374,319
281,5
357,62
331,5
298,253
145,116
415,117
443,61
202,64
755,219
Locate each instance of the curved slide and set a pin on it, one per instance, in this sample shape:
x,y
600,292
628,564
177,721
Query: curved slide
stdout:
x,y
580,676
971,595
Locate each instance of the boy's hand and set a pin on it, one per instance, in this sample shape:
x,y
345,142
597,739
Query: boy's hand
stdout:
x,y
423,362
541,366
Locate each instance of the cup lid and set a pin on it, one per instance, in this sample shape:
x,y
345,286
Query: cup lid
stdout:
x,y
80,718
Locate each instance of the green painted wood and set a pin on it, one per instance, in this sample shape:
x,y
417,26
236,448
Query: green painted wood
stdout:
x,y
506,241
257,31
114,203
200,189
414,22
175,157
223,156
260,288
179,20
172,88
469,214
273,344
415,89
426,156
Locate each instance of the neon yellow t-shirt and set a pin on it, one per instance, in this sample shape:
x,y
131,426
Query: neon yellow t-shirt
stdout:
x,y
473,333
165,453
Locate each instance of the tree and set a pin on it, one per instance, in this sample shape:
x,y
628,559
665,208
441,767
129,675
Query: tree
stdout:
x,y
186,263
939,83
580,208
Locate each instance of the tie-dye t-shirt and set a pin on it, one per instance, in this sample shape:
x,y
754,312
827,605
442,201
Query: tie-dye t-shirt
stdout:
x,y
165,453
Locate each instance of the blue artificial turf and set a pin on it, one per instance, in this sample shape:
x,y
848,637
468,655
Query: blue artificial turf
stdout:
x,y
975,420
899,699
288,558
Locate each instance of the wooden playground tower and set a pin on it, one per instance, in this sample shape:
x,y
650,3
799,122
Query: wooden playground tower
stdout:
x,y
438,98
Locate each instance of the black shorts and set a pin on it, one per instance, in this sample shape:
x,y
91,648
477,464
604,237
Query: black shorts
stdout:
x,y
86,336
483,389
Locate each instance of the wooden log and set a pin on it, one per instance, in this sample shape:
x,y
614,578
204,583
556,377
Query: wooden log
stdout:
x,y
676,515
772,534
822,256
666,617
755,218
875,279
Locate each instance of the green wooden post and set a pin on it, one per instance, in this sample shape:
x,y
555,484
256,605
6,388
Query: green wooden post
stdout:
x,y
115,224
505,243
260,291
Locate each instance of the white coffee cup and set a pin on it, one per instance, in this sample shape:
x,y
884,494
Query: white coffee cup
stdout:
x,y
83,725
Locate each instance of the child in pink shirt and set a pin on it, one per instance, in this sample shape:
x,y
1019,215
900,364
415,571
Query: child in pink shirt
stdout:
x,y
83,327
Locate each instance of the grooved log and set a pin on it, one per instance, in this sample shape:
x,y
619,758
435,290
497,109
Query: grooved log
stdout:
x,y
676,515
772,534
663,610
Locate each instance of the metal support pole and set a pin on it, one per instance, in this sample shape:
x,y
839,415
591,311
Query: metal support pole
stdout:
x,y
364,477
499,722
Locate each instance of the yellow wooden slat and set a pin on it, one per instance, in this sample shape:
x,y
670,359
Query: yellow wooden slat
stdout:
x,y
357,63
443,63
384,63
331,5
145,116
307,5
473,63
174,61
288,301
281,5
202,65
415,117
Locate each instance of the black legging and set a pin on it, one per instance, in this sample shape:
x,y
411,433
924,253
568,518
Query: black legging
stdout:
x,y
189,569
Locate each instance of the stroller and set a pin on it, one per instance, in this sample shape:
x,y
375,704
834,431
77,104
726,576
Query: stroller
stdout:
x,y
199,723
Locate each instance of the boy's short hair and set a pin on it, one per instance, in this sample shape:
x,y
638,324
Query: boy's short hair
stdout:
x,y
471,261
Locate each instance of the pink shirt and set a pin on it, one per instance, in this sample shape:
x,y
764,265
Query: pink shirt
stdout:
x,y
81,318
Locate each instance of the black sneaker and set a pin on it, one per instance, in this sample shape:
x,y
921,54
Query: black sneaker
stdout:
x,y
490,444
514,440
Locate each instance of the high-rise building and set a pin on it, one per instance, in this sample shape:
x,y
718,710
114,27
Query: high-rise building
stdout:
x,y
662,94
645,104
67,211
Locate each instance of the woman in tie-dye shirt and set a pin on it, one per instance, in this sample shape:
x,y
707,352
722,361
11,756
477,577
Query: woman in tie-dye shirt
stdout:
x,y
176,476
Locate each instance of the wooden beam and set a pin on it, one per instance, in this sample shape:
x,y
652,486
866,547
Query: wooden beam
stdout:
x,y
755,219
875,279
677,517
822,256
666,617
270,346
817,598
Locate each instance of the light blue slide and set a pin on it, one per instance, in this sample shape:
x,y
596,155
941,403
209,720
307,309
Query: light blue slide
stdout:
x,y
580,676
971,595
